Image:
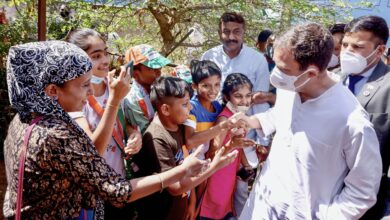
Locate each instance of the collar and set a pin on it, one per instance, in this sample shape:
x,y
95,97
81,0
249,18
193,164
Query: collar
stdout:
x,y
140,88
243,47
368,73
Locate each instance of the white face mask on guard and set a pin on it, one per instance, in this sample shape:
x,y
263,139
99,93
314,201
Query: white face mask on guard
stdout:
x,y
334,61
283,81
354,63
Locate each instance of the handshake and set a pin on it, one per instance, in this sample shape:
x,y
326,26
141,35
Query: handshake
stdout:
x,y
238,126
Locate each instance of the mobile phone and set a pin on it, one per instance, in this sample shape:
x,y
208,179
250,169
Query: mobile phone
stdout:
x,y
130,68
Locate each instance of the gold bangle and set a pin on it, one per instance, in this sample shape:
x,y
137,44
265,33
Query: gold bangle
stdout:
x,y
162,183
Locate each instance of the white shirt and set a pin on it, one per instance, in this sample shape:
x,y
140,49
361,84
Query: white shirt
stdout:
x,y
359,85
324,161
252,64
112,154
248,62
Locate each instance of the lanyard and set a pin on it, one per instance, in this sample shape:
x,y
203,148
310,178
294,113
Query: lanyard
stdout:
x,y
117,133
22,160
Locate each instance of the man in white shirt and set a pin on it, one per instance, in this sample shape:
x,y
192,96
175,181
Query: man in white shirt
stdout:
x,y
233,56
369,79
324,161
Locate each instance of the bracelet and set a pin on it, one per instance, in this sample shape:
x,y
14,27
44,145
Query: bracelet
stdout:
x,y
162,183
112,106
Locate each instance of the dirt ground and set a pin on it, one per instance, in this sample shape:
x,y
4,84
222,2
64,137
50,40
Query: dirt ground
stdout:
x,y
3,186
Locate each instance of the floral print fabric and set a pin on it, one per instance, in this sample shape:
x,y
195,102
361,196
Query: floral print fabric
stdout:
x,y
63,172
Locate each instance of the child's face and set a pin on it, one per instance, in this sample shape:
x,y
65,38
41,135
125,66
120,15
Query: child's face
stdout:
x,y
179,109
99,56
146,76
241,97
208,88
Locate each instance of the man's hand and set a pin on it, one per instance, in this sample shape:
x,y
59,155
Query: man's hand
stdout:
x,y
235,121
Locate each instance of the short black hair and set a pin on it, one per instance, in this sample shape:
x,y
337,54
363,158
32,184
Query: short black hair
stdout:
x,y
167,87
231,17
264,35
234,82
337,28
202,69
374,24
310,44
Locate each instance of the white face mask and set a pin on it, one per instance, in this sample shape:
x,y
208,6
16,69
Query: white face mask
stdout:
x,y
96,80
334,61
236,109
354,63
283,81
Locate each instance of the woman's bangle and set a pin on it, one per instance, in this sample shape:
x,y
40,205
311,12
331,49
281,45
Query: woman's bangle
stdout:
x,y
162,183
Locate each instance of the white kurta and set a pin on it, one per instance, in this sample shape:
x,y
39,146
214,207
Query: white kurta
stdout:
x,y
324,161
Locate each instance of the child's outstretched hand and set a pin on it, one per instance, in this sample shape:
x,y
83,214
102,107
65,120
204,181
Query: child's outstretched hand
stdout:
x,y
134,143
223,158
120,86
193,165
240,141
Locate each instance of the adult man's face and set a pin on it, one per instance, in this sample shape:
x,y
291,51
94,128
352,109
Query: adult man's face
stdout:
x,y
231,35
363,43
284,60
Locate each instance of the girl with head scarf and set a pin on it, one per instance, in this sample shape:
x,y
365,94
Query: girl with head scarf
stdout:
x,y
63,171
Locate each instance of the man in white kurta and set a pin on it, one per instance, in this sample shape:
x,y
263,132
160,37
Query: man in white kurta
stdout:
x,y
324,161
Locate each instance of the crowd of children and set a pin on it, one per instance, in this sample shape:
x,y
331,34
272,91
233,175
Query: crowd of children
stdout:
x,y
156,121
195,133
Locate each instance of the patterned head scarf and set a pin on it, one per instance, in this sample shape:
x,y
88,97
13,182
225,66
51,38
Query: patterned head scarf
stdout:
x,y
33,66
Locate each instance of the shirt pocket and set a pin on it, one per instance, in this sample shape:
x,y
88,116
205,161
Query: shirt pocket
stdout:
x,y
310,152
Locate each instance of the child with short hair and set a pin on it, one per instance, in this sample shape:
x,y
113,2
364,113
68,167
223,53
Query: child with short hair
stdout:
x,y
218,199
206,81
162,150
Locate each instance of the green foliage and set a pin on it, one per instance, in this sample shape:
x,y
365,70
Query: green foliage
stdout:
x,y
136,23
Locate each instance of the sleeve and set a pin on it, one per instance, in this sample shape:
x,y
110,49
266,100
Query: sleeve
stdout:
x,y
88,170
362,181
205,56
165,155
191,122
134,115
262,75
261,83
267,122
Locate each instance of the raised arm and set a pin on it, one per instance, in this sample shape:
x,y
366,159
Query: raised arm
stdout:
x,y
118,88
